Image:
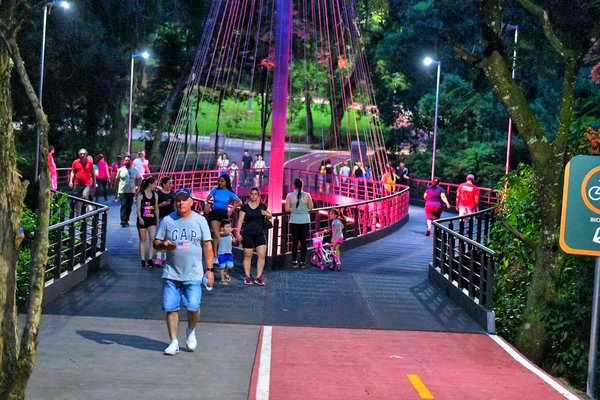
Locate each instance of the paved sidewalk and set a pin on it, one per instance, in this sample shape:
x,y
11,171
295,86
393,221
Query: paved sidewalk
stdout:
x,y
112,358
104,339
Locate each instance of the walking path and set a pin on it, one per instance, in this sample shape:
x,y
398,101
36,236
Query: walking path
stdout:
x,y
378,330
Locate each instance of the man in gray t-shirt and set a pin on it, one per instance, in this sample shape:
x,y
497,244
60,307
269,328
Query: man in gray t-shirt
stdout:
x,y
186,237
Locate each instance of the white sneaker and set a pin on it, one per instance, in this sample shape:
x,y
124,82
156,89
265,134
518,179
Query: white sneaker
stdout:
x,y
190,340
172,349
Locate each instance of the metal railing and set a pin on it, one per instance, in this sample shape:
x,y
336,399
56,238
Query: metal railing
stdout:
x,y
78,238
360,218
461,257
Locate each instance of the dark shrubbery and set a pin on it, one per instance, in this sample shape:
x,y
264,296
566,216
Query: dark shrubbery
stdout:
x,y
59,209
569,315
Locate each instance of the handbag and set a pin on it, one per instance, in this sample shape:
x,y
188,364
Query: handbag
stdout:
x,y
267,224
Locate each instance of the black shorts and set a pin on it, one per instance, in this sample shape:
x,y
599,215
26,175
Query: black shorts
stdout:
x,y
253,240
148,222
81,191
216,215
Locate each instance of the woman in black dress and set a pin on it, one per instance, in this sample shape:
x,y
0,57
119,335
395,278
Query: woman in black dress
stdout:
x,y
166,195
251,233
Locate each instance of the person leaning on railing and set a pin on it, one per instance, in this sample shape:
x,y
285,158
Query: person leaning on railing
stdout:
x,y
299,204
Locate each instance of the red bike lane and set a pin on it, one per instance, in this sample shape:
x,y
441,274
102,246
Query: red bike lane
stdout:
x,y
329,363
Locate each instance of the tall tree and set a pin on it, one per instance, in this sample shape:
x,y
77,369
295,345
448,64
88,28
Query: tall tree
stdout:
x,y
570,30
17,357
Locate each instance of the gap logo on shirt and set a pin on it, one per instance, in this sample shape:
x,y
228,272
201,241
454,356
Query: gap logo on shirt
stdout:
x,y
184,237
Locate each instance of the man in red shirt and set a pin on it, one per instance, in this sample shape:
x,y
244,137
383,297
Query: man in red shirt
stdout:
x,y
82,176
467,197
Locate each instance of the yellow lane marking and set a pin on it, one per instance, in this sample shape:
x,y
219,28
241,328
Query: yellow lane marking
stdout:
x,y
419,386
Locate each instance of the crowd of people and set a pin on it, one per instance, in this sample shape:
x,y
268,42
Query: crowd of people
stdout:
x,y
183,239
91,178
187,238
252,173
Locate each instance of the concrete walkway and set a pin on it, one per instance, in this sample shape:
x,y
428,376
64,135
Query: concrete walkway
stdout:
x,y
104,340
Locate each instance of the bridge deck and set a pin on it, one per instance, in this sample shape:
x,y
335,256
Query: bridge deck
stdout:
x,y
105,338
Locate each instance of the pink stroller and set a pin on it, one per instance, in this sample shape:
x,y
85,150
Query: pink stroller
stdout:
x,y
323,256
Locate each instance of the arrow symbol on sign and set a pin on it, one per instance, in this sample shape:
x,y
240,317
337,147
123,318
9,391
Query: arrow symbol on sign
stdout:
x,y
596,238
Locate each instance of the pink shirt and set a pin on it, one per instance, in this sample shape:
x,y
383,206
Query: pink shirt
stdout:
x,y
102,169
51,165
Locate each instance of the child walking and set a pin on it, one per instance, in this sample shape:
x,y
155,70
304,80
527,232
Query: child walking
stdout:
x,y
225,251
337,233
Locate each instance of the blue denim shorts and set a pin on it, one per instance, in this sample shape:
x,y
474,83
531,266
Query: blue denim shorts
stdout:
x,y
225,261
174,292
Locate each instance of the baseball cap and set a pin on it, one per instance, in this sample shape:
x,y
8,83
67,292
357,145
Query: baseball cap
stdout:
x,y
470,177
184,192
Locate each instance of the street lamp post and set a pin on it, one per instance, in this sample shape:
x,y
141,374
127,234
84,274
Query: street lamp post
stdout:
x,y
144,55
514,62
428,61
47,6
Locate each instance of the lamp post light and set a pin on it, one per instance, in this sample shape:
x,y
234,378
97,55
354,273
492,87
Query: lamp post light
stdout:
x,y
47,6
427,62
514,62
143,55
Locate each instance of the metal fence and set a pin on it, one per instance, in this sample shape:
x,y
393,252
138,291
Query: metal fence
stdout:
x,y
463,263
77,238
360,217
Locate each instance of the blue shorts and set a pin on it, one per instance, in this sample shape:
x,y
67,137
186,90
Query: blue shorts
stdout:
x,y
174,292
225,261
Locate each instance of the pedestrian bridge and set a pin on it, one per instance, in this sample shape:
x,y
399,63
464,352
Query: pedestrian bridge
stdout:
x,y
379,329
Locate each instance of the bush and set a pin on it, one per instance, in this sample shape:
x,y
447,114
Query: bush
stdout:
x,y
568,316
516,261
59,209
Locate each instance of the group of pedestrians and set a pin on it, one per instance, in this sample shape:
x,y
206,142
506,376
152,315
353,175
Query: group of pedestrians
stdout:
x,y
251,173
88,179
183,238
467,200
187,238
91,178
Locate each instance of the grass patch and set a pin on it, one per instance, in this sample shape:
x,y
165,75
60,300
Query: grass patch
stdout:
x,y
238,122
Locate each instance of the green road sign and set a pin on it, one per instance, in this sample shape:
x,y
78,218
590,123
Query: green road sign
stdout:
x,y
580,222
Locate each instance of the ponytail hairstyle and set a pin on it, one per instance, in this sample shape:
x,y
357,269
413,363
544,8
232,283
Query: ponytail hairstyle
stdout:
x,y
145,183
298,185
338,215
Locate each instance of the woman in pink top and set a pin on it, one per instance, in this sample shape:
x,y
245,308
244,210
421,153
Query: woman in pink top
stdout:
x,y
52,169
103,177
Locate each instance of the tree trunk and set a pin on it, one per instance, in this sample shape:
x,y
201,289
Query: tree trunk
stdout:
x,y
548,162
118,132
220,107
16,370
334,136
92,120
310,134
10,208
155,156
